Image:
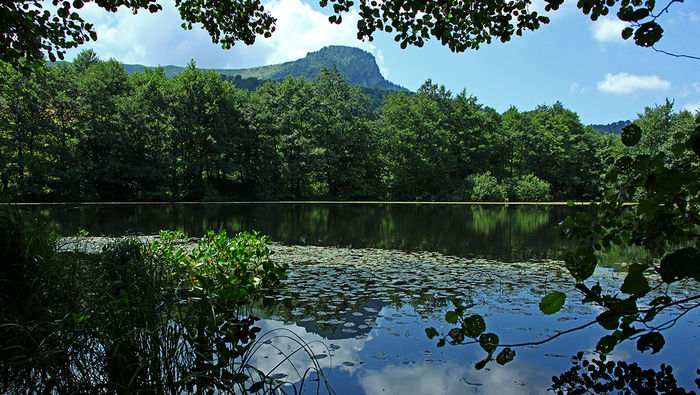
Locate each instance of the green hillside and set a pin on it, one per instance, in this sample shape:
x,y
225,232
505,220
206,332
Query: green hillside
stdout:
x,y
358,66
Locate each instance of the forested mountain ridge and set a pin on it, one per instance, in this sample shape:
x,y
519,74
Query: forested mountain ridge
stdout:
x,y
358,66
88,131
611,128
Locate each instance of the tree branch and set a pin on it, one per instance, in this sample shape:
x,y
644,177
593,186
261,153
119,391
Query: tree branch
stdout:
x,y
675,55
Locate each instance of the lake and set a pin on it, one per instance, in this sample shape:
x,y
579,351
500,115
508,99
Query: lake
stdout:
x,y
367,279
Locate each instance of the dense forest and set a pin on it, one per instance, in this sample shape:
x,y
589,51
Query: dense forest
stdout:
x,y
88,131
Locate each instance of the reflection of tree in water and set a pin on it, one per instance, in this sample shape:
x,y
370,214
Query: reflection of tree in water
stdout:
x,y
485,220
602,376
503,232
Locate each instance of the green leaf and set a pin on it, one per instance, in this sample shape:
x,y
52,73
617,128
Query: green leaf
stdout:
x,y
431,332
451,317
506,355
553,302
627,33
606,344
678,149
631,134
648,34
680,264
474,325
635,283
653,340
256,386
488,341
240,377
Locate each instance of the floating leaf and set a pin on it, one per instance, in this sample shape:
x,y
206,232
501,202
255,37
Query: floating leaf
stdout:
x,y
451,317
553,302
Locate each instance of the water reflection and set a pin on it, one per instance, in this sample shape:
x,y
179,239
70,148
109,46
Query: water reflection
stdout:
x,y
504,232
370,309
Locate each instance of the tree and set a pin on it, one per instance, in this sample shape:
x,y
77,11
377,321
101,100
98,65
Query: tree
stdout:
x,y
466,25
28,30
664,221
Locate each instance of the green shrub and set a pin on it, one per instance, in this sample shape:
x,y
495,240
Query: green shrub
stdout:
x,y
486,188
529,188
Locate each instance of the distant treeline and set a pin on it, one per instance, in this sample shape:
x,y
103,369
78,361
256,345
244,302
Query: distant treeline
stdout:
x,y
88,131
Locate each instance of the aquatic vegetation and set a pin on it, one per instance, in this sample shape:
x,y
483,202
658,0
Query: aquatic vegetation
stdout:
x,y
148,316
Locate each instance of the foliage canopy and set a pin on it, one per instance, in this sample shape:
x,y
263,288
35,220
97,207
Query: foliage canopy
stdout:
x,y
28,31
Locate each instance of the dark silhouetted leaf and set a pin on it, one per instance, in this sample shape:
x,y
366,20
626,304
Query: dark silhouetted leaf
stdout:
x,y
680,264
635,283
653,341
606,344
608,320
488,341
580,263
481,364
631,134
474,325
431,332
456,334
506,355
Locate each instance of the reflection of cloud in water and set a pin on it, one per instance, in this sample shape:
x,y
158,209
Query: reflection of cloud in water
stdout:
x,y
268,356
513,378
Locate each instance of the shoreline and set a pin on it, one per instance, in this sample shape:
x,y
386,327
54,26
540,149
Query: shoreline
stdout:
x,y
234,202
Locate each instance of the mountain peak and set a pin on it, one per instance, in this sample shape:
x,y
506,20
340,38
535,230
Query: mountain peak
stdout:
x,y
357,65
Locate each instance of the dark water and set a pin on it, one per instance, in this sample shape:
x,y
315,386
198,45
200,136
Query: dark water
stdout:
x,y
363,314
504,232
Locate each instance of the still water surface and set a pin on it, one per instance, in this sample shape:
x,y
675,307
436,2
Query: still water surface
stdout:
x,y
387,272
504,232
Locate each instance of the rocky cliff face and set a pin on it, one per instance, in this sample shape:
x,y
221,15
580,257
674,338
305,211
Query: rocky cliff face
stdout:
x,y
358,66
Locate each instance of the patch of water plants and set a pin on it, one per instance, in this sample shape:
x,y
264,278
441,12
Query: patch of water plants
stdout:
x,y
150,317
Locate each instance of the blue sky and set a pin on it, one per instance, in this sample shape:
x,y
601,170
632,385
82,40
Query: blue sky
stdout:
x,y
583,64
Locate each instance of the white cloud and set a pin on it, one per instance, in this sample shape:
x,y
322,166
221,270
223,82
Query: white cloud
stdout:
x,y
692,107
696,86
628,83
608,30
577,88
691,16
158,39
450,378
277,337
301,29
